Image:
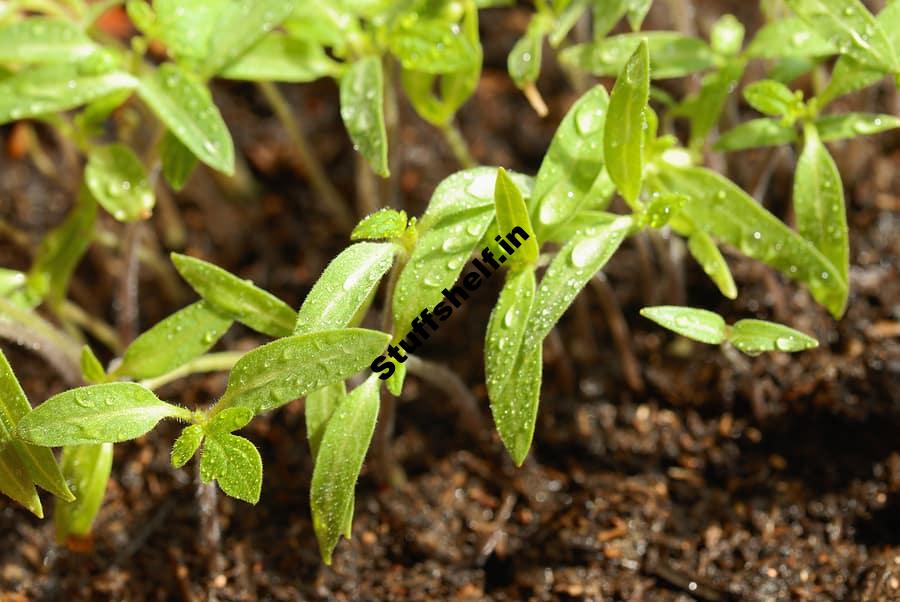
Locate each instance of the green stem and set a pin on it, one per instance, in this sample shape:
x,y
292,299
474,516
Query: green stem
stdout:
x,y
458,145
103,332
211,362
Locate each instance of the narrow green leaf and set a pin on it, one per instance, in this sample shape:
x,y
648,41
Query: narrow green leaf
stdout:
x,y
237,298
789,37
705,109
623,138
117,179
516,406
274,374
524,60
178,162
110,412
636,11
851,125
567,20
43,40
671,54
819,202
184,335
229,420
756,336
395,383
339,461
362,109
756,133
15,482
186,107
234,463
242,24
184,26
186,445
729,214
319,407
87,468
91,368
386,223
512,214
281,58
727,35
698,324
707,254
606,16
345,286
771,98
431,46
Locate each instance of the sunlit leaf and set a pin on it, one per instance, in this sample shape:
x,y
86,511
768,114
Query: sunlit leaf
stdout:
x,y
671,54
91,368
727,35
524,60
186,445
118,180
851,125
771,98
16,483
756,133
43,40
756,336
512,215
386,223
789,37
234,463
431,46
242,24
362,110
698,324
278,57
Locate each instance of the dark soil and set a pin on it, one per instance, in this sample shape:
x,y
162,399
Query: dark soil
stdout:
x,y
712,477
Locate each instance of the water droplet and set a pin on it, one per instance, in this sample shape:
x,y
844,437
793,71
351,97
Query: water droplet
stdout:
x,y
785,343
585,251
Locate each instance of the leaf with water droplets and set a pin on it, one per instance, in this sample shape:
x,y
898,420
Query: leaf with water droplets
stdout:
x,y
341,453
242,24
229,420
185,106
281,58
87,468
117,179
386,223
789,37
729,214
755,336
91,369
43,40
362,110
756,133
671,54
240,299
173,342
704,250
186,445
572,163
727,35
705,108
772,98
819,202
109,412
184,26
345,286
697,324
851,125
524,60
274,374
512,216
567,19
319,407
623,137
234,463
850,26
178,162
432,46
16,483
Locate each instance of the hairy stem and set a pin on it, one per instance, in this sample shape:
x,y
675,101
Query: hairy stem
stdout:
x,y
127,293
211,362
386,468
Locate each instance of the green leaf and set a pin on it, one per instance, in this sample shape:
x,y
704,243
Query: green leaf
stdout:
x,y
789,37
15,482
819,202
242,24
705,109
38,463
852,28
457,217
671,54
87,468
339,461
362,110
173,342
43,40
185,106
727,35
729,214
184,26
56,88
512,213
91,368
851,125
11,281
636,11
117,179
771,98
229,420
319,407
755,336
431,46
386,223
567,20
234,463
237,298
572,163
110,412
345,286
186,445
707,254
623,137
274,374
697,324
756,133
178,162
394,384
524,60
281,58
606,16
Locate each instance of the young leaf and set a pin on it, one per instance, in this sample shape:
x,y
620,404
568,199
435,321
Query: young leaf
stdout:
x,y
516,405
386,223
513,214
87,468
234,463
281,58
242,24
229,420
671,54
698,324
755,336
567,20
431,46
623,137
636,11
178,162
339,461
605,18
184,26
345,285
850,125
15,482
771,98
362,110
91,368
819,202
394,384
524,61
756,133
707,254
320,405
790,37
184,335
727,35
117,179
186,445
705,109
274,374
43,40
237,298
186,107
106,413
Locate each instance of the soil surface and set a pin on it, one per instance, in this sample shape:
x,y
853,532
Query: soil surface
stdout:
x,y
685,473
